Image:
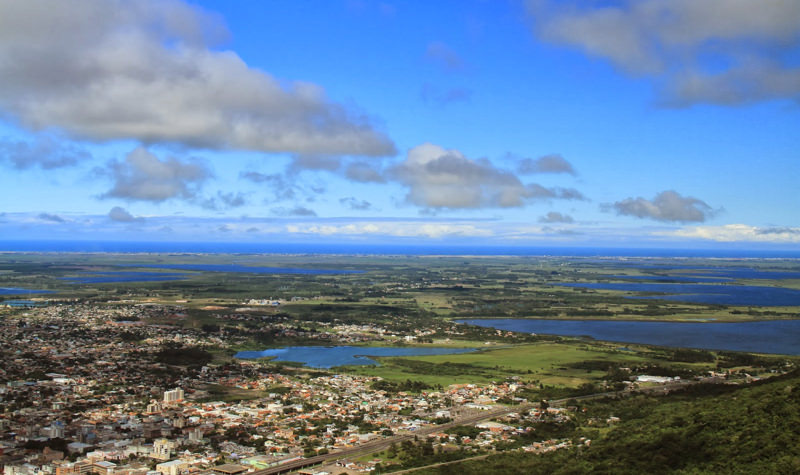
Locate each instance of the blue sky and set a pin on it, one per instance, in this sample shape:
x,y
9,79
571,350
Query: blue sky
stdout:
x,y
652,123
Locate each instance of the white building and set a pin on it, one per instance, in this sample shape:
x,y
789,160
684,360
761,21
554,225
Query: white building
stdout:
x,y
176,395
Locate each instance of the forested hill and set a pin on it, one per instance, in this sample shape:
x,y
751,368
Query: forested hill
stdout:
x,y
752,429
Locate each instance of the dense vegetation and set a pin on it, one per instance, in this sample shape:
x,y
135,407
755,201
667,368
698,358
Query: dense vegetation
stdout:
x,y
708,429
184,356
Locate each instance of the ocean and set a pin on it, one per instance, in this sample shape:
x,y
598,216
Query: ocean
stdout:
x,y
379,249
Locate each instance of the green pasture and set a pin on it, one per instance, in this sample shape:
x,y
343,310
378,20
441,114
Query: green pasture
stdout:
x,y
545,362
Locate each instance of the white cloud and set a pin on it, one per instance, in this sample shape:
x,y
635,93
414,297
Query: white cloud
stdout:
x,y
356,204
145,70
547,164
699,51
121,215
441,178
296,211
364,172
142,176
392,228
666,206
223,201
738,233
53,218
556,217
44,151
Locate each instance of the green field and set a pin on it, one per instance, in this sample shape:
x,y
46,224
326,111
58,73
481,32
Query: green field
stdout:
x,y
545,363
430,286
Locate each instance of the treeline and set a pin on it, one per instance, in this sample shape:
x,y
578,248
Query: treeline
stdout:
x,y
184,356
720,429
402,386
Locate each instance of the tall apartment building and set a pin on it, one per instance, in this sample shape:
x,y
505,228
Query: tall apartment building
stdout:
x,y
176,395
162,449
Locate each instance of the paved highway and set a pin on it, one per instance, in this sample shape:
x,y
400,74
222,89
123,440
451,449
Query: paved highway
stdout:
x,y
383,444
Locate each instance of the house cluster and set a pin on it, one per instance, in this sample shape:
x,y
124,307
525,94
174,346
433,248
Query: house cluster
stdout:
x,y
79,396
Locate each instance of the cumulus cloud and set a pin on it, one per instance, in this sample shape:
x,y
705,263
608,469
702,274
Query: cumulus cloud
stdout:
x,y
364,172
151,71
314,162
224,201
560,231
394,229
444,56
281,187
296,211
142,176
556,217
356,204
44,151
739,232
431,94
121,215
700,51
53,218
546,164
441,178
666,206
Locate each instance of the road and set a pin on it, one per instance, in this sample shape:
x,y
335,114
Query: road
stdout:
x,y
383,444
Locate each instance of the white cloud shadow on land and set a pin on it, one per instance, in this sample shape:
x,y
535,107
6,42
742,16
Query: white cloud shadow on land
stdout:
x,y
724,52
441,178
145,70
142,176
667,206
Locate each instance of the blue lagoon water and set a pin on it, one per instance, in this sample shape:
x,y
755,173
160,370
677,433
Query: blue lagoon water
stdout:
x,y
19,291
704,293
772,336
247,269
122,276
673,278
330,356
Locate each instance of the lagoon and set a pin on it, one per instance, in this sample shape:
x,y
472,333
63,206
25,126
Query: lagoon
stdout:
x,y
772,336
19,291
720,294
111,277
330,356
247,269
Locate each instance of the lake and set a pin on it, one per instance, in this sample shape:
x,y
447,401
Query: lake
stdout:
x,y
772,336
247,269
122,276
19,291
330,356
21,303
704,293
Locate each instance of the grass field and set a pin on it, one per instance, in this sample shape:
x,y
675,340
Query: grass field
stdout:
x,y
547,363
